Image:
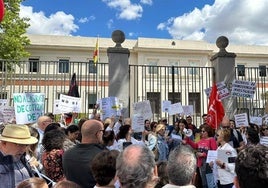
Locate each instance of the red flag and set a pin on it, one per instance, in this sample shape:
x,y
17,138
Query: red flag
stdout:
x,y
215,108
2,10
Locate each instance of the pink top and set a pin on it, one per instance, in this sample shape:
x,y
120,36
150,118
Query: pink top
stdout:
x,y
202,146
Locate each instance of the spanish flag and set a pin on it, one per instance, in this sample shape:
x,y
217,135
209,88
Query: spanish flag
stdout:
x,y
96,52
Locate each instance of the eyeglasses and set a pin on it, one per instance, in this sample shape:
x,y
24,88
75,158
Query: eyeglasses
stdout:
x,y
226,127
22,145
265,129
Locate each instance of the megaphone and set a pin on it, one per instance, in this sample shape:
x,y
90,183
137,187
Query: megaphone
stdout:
x,y
188,132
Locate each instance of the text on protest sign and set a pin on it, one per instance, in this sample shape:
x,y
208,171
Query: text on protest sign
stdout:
x,y
69,104
28,107
222,91
175,108
242,88
143,108
109,107
7,114
241,119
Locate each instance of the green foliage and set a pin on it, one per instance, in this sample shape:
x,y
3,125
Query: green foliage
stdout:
x,y
12,33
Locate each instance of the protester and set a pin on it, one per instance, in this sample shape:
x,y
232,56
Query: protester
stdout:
x,y
125,137
162,144
72,132
224,170
52,156
162,174
14,141
206,143
236,139
251,167
33,182
136,167
264,135
77,160
252,136
104,168
181,168
66,184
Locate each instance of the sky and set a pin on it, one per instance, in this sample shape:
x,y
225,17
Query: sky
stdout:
x,y
242,21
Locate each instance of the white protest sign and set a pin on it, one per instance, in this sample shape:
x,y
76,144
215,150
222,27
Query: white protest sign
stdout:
x,y
175,108
143,108
256,120
211,156
56,107
165,106
241,119
28,107
7,114
137,123
109,107
188,110
265,119
69,104
222,91
242,88
3,102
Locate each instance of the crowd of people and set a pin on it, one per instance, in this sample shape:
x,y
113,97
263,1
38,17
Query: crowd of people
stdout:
x,y
108,153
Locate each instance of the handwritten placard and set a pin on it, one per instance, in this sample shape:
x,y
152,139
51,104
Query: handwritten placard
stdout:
x,y
165,106
175,108
222,90
143,108
137,123
241,119
7,114
242,88
188,110
28,107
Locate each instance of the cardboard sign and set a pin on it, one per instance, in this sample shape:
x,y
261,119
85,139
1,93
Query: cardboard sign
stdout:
x,y
28,107
143,108
241,120
242,88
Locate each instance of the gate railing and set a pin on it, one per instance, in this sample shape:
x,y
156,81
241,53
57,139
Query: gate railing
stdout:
x,y
153,83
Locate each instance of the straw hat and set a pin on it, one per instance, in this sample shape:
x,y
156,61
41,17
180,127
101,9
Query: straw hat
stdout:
x,y
159,127
18,134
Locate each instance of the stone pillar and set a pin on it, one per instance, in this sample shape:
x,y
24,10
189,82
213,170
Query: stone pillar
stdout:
x,y
119,71
224,67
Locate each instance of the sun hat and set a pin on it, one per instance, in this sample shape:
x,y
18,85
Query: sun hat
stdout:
x,y
19,134
159,127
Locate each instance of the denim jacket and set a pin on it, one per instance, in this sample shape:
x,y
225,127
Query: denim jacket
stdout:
x,y
162,148
7,175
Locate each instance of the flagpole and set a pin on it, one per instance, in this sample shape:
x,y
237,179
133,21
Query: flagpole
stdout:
x,y
97,69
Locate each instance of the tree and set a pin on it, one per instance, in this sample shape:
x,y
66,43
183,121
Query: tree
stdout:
x,y
12,34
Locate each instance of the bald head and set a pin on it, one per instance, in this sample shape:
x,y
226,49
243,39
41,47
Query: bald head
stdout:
x,y
43,122
135,166
225,121
92,131
132,155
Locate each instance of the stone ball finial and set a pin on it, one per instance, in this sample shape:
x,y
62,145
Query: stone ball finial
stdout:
x,y
222,42
118,37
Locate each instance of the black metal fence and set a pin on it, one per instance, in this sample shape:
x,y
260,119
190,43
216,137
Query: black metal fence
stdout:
x,y
153,83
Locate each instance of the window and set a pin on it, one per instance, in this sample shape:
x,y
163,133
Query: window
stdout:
x,y
153,69
92,67
176,95
241,70
155,101
63,66
194,99
92,98
176,69
193,70
33,65
3,95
